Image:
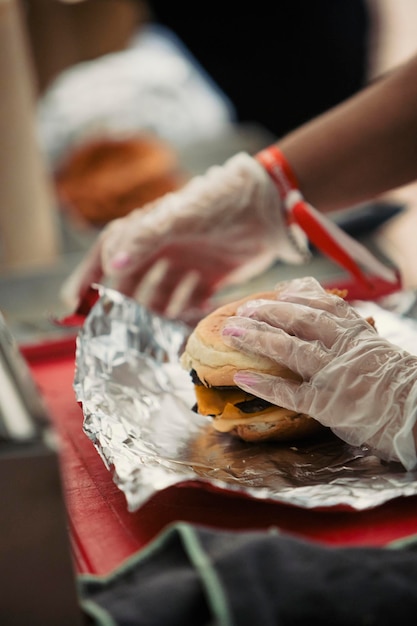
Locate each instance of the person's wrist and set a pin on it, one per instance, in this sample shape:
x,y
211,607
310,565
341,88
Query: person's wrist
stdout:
x,y
281,174
279,169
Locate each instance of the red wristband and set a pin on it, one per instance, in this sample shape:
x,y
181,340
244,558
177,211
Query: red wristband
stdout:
x,y
279,169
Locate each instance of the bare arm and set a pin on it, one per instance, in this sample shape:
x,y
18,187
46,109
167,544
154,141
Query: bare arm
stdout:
x,y
361,148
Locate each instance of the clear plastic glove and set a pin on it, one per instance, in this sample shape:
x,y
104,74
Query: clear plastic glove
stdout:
x,y
222,227
354,381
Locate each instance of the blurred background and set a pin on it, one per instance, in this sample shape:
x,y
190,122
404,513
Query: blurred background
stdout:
x,y
107,104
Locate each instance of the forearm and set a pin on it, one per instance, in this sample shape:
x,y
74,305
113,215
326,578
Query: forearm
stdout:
x,y
361,148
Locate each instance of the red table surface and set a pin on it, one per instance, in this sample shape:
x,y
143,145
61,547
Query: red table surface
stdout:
x,y
103,532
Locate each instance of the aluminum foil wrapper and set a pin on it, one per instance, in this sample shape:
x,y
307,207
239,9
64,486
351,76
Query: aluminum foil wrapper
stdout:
x,y
137,404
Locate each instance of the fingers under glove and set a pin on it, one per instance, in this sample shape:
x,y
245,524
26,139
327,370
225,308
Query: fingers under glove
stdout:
x,y
159,291
280,391
253,337
304,321
309,292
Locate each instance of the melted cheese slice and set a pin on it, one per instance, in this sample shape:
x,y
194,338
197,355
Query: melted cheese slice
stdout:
x,y
213,401
226,422
220,403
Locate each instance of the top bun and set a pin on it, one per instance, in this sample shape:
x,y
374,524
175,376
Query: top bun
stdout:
x,y
216,363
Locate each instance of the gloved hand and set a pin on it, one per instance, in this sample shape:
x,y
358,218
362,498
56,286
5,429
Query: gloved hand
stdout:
x,y
224,226
354,381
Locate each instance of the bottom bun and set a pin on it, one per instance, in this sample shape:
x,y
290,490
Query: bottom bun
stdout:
x,y
284,427
297,427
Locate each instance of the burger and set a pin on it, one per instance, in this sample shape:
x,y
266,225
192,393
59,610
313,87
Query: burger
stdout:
x,y
104,178
212,365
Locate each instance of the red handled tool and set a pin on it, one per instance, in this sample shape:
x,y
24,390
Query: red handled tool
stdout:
x,y
322,232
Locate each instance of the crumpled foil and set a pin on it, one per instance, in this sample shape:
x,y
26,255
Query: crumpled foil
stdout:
x,y
137,401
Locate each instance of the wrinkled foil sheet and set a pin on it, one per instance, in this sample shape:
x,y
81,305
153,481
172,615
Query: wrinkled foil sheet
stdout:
x,y
137,401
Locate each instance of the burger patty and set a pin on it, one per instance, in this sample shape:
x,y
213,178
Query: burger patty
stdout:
x,y
253,406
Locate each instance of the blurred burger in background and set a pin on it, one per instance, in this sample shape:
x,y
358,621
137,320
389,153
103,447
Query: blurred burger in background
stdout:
x,y
107,177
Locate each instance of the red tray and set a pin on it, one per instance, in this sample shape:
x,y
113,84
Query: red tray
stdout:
x,y
104,533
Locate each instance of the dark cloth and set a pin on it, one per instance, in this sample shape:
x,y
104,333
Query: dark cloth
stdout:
x,y
280,63
194,576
